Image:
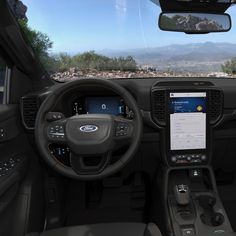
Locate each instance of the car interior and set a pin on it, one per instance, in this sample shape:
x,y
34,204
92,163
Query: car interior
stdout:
x,y
160,162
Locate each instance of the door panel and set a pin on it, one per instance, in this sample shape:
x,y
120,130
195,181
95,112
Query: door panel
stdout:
x,y
13,162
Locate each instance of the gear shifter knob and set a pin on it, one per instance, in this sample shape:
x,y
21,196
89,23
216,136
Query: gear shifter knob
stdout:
x,y
182,194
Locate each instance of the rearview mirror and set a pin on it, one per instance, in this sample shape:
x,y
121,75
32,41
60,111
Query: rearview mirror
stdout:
x,y
194,23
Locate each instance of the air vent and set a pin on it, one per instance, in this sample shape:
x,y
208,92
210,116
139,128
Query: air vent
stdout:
x,y
29,111
159,107
215,105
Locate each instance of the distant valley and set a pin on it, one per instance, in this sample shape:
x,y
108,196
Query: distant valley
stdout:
x,y
197,57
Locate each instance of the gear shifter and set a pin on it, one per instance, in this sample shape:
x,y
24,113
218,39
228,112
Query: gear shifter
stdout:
x,y
182,194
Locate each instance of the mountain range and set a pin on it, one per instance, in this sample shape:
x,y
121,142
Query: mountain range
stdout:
x,y
195,57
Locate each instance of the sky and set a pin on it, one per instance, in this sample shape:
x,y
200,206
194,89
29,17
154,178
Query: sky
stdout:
x,y
80,25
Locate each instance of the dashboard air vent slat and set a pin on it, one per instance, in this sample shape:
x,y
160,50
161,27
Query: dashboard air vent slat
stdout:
x,y
215,105
29,111
159,106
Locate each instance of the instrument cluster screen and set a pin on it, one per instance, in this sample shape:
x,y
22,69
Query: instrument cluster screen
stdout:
x,y
187,120
112,105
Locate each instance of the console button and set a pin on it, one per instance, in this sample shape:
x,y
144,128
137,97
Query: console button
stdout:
x,y
197,158
195,173
2,133
182,161
9,164
203,157
188,232
196,161
189,158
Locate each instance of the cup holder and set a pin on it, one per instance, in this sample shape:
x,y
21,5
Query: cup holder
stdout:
x,y
210,216
215,219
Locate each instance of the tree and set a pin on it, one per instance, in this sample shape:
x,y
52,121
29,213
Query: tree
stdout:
x,y
40,43
230,66
61,62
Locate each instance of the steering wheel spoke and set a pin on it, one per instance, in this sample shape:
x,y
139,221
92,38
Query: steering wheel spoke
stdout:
x,y
124,129
89,164
55,131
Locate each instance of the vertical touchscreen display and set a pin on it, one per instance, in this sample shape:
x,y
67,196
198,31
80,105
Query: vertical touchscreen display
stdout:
x,y
187,121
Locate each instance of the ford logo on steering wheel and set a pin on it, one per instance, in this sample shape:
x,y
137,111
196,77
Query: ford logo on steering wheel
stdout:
x,y
88,128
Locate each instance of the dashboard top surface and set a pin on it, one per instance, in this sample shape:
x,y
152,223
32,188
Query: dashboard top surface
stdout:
x,y
141,88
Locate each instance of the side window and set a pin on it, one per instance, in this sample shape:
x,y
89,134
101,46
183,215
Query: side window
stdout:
x,y
3,73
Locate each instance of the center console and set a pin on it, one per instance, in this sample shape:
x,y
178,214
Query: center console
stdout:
x,y
193,203
186,113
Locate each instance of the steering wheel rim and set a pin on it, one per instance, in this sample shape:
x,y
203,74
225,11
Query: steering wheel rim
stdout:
x,y
42,142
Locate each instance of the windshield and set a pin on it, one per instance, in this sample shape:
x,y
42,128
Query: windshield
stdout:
x,y
121,38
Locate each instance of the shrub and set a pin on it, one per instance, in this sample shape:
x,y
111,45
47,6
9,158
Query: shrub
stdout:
x,y
230,66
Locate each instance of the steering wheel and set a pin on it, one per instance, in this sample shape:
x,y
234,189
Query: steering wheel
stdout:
x,y
88,135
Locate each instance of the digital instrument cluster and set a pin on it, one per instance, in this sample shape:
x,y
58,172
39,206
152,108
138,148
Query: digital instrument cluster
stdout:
x,y
112,105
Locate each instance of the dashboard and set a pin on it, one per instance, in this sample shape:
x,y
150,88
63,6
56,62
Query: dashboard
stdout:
x,y
187,119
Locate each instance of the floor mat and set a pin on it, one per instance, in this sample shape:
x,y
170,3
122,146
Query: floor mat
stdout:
x,y
93,203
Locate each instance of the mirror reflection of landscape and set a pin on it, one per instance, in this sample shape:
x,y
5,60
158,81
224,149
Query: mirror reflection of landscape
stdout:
x,y
194,22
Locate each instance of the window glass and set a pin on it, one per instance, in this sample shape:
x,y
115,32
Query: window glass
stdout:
x,y
121,38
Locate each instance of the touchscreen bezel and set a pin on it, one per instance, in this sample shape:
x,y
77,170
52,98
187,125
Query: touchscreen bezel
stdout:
x,y
168,134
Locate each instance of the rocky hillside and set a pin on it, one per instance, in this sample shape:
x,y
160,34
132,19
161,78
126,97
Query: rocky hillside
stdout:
x,y
18,8
74,74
